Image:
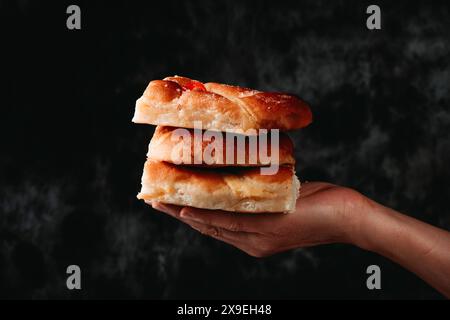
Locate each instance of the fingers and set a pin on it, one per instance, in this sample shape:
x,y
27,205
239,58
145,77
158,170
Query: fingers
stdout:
x,y
170,209
219,233
199,225
221,219
244,241
235,222
237,239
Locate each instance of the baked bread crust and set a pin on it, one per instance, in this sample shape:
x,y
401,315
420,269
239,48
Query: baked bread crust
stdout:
x,y
165,146
230,189
179,102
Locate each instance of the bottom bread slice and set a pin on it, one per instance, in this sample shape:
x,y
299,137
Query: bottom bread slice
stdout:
x,y
235,189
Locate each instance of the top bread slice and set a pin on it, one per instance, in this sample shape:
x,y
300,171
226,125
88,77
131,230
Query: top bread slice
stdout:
x,y
181,102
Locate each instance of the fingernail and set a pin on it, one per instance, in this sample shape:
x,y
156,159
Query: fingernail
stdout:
x,y
184,214
189,216
196,229
155,205
161,207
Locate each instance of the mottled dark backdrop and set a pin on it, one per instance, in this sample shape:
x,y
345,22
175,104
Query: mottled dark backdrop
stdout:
x,y
71,160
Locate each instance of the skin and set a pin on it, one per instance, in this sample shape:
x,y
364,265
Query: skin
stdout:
x,y
327,213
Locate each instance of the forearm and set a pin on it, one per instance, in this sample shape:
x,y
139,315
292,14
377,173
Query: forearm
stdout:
x,y
417,246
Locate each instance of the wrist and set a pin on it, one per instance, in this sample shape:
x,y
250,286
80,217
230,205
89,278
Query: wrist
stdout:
x,y
358,218
373,227
348,219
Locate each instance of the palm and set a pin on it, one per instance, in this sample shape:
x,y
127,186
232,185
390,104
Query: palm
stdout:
x,y
324,212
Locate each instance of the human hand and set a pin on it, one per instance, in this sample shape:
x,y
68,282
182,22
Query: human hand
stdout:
x,y
325,213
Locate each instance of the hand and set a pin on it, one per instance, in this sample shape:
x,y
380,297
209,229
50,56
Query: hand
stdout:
x,y
325,213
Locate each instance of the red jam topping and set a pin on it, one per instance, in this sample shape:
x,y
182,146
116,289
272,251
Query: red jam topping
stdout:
x,y
194,85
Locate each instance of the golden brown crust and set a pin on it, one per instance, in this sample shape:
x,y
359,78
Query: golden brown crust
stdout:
x,y
270,110
166,146
179,102
230,189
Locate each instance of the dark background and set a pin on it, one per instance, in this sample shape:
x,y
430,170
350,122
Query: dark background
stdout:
x,y
71,159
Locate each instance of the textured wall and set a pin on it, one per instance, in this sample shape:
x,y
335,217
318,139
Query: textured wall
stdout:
x,y
71,160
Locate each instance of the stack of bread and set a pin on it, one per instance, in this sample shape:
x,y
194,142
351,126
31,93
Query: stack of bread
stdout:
x,y
181,175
